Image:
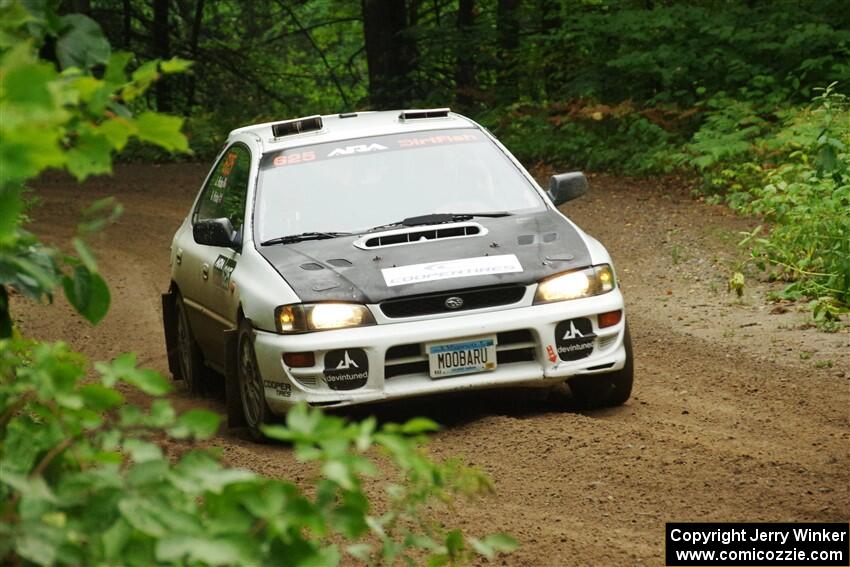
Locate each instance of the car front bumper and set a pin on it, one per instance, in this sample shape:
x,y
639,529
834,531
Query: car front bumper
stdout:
x,y
527,344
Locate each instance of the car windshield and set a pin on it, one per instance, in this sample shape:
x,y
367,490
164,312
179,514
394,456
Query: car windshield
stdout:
x,y
352,185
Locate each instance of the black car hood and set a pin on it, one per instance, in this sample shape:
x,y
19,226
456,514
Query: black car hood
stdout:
x,y
335,269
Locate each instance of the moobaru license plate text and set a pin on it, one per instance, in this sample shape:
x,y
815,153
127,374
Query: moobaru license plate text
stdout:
x,y
450,359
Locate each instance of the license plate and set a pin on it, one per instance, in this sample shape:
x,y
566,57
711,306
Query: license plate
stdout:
x,y
464,357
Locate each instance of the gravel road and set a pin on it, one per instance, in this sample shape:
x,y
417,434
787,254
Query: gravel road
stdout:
x,y
740,412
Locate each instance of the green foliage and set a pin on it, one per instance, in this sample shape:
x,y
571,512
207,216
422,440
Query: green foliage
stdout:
x,y
619,140
85,481
72,120
795,174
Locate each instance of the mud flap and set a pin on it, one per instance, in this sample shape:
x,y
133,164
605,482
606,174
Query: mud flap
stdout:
x,y
232,397
169,323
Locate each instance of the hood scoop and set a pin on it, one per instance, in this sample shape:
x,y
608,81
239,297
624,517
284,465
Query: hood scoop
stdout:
x,y
413,235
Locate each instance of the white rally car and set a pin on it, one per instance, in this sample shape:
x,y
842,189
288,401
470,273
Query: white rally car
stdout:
x,y
374,256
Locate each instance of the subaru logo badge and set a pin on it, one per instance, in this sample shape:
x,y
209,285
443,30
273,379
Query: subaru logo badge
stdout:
x,y
454,302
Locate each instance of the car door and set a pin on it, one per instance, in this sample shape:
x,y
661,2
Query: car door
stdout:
x,y
207,289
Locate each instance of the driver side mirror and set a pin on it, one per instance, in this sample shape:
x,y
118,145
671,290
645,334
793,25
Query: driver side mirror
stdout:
x,y
215,232
567,186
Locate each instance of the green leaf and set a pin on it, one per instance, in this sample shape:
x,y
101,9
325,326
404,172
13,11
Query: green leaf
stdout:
x,y
200,424
144,516
175,65
85,254
162,413
87,87
142,451
31,272
454,543
91,155
117,131
149,381
115,74
494,544
28,85
142,78
11,206
115,538
24,156
197,473
162,130
339,473
87,293
419,425
100,398
205,550
34,487
83,45
360,551
38,543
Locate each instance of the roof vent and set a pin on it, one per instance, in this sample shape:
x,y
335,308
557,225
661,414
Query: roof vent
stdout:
x,y
424,113
297,126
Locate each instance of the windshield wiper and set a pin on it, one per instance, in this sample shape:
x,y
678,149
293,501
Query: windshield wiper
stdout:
x,y
440,218
290,238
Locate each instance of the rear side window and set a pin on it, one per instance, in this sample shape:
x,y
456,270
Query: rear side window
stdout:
x,y
224,194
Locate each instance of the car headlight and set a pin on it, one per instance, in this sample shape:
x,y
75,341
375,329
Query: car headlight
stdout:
x,y
304,317
576,284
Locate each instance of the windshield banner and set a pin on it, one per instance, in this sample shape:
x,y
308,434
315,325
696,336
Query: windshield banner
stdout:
x,y
372,145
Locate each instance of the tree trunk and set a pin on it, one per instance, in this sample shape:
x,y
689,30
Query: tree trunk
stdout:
x,y
161,50
194,39
127,25
507,32
550,20
390,52
464,60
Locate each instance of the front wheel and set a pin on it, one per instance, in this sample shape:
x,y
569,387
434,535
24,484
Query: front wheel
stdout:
x,y
606,390
251,390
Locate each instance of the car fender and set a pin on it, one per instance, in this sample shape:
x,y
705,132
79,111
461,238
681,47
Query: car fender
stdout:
x,y
260,289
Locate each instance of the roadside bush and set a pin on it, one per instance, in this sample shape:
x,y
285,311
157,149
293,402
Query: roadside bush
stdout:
x,y
792,168
84,480
806,200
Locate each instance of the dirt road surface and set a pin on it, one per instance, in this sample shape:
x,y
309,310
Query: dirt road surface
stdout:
x,y
738,414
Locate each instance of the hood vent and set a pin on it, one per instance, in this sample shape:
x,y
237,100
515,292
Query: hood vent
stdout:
x,y
420,234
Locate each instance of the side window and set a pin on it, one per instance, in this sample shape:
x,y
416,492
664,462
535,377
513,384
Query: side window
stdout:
x,y
224,195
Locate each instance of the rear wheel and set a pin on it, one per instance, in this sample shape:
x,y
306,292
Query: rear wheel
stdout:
x,y
192,368
606,390
251,388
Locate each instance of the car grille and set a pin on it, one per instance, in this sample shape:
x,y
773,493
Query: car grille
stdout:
x,y
511,346
434,303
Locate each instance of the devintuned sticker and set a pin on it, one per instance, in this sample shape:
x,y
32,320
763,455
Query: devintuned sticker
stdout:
x,y
346,369
574,338
462,268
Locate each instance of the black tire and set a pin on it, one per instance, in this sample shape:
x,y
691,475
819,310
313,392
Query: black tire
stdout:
x,y
251,390
192,368
606,390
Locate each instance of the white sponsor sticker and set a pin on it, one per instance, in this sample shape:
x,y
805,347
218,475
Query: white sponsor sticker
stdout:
x,y
463,268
